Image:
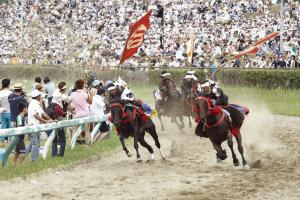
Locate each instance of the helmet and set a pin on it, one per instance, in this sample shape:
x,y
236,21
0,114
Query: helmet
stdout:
x,y
165,74
127,95
121,83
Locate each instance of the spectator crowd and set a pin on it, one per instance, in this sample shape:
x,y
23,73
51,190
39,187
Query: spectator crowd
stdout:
x,y
94,32
46,103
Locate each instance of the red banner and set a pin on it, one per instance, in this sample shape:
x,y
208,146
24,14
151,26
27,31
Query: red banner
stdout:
x,y
136,37
250,50
255,47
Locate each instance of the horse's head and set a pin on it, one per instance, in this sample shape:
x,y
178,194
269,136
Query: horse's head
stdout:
x,y
117,111
201,106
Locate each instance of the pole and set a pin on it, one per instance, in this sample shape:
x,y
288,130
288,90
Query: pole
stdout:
x,y
281,26
22,29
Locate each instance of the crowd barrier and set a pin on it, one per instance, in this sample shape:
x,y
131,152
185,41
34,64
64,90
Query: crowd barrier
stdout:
x,y
15,132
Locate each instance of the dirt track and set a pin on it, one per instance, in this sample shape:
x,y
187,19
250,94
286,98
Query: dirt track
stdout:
x,y
190,171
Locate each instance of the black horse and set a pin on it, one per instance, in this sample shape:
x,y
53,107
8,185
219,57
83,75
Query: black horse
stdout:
x,y
129,122
173,107
218,128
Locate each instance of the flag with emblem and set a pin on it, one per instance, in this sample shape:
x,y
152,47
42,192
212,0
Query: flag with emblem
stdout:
x,y
136,36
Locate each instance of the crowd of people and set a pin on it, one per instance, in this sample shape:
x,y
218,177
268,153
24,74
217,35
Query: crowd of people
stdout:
x,y
94,32
47,103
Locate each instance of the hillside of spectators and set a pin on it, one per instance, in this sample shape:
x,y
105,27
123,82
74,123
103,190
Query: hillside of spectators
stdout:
x,y
94,32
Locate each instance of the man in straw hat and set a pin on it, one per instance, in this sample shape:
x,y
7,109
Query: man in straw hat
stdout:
x,y
14,100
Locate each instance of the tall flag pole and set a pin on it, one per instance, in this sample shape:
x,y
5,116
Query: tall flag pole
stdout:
x,y
136,37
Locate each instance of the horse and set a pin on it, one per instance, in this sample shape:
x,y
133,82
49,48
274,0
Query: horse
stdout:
x,y
173,107
129,122
218,127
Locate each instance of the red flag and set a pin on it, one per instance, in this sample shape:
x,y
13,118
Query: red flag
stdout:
x,y
250,50
254,48
136,36
269,37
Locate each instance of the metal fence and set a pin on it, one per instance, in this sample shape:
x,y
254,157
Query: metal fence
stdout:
x,y
15,132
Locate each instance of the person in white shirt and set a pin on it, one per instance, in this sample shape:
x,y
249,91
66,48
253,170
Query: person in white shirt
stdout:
x,y
98,109
49,89
4,106
36,116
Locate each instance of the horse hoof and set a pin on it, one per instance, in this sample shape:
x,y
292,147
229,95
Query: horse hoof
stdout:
x,y
129,155
246,166
236,164
139,160
219,160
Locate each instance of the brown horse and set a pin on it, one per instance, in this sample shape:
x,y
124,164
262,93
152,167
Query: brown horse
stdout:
x,y
215,124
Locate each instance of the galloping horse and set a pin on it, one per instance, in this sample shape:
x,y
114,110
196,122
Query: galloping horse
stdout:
x,y
173,107
219,128
129,122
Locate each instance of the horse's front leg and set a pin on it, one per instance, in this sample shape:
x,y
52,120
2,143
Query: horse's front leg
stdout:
x,y
241,150
136,145
122,140
221,154
230,144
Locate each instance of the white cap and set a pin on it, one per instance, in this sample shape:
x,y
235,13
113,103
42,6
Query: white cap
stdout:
x,y
35,93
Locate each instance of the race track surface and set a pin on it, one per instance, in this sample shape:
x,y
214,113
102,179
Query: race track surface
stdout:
x,y
190,171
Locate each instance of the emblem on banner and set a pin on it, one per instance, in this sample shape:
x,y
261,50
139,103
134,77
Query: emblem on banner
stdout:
x,y
137,37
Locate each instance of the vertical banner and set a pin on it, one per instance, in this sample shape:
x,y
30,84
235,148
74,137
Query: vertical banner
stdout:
x,y
136,36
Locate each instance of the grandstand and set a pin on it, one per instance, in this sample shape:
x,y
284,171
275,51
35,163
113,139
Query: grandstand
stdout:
x,y
94,32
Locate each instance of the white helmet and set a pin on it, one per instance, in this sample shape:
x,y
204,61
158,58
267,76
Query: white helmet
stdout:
x,y
121,83
127,95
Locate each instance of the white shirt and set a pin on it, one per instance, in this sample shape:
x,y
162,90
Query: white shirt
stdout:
x,y
4,104
33,108
98,106
49,89
58,97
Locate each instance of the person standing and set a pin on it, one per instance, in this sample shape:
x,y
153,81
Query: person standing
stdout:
x,y
14,100
81,101
20,149
49,89
36,116
59,98
98,109
4,105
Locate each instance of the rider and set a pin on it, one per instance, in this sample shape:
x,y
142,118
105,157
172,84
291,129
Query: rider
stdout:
x,y
217,95
187,84
128,98
114,93
165,87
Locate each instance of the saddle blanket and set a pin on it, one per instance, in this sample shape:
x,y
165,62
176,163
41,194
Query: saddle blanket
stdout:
x,y
242,109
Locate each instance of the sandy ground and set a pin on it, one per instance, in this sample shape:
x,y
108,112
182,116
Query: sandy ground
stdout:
x,y
190,171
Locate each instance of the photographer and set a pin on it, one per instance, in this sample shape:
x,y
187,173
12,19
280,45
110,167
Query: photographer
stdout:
x,y
81,100
14,99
